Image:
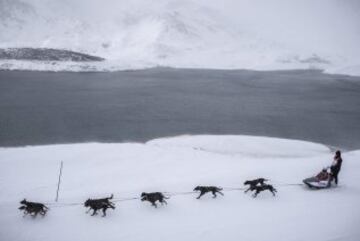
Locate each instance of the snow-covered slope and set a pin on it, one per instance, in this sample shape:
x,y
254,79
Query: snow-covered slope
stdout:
x,y
177,165
256,34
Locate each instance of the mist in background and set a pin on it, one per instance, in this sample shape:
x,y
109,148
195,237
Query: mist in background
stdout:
x,y
254,34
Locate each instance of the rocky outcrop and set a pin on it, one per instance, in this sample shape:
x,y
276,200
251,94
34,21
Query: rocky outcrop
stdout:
x,y
46,54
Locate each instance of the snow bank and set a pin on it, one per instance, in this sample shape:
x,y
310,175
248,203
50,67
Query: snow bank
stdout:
x,y
244,146
175,165
227,34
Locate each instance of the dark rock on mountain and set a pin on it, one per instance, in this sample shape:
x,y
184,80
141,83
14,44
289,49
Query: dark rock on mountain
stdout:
x,y
46,54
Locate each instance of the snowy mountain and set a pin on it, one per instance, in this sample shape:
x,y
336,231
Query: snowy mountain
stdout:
x,y
257,34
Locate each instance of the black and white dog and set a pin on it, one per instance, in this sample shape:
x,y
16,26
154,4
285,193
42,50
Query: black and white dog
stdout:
x,y
152,197
258,185
33,208
264,187
205,189
253,183
97,204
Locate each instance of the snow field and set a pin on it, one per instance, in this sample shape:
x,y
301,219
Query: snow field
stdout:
x,y
178,165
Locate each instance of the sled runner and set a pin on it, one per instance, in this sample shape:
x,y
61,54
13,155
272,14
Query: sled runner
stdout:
x,y
320,181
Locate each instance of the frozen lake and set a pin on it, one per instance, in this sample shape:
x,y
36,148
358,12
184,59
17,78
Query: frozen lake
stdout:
x,y
48,108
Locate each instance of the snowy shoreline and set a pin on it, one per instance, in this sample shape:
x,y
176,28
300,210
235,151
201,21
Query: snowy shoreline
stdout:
x,y
112,66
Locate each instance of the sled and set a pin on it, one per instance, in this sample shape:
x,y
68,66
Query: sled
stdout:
x,y
320,181
313,183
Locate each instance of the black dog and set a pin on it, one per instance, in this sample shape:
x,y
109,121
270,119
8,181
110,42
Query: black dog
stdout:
x,y
97,204
153,197
33,208
264,187
206,189
253,183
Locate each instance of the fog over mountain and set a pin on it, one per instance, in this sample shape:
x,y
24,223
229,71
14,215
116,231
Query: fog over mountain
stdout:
x,y
252,34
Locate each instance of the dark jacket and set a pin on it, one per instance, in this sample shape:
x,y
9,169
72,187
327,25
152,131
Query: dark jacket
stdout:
x,y
335,168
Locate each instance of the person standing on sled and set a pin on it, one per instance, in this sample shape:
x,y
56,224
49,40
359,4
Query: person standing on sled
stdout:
x,y
335,167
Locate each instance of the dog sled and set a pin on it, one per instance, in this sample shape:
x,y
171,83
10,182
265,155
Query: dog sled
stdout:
x,y
320,181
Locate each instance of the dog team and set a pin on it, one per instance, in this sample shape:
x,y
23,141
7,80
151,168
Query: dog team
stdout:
x,y
33,208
